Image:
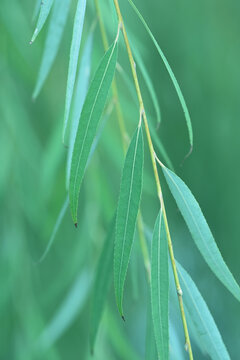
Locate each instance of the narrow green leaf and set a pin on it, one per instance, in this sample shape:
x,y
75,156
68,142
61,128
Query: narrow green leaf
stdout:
x,y
128,206
44,12
160,287
73,60
150,348
67,311
200,231
55,229
148,82
170,72
54,35
79,97
102,283
91,113
206,330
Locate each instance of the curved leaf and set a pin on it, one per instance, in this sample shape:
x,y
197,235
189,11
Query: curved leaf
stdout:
x,y
54,35
170,72
160,287
73,60
44,12
200,231
91,113
102,283
128,206
79,97
148,83
204,325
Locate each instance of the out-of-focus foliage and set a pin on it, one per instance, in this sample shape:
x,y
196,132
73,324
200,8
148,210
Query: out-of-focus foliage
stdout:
x,y
45,307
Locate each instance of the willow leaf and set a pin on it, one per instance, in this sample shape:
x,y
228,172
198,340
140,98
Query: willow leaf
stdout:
x,y
160,287
102,283
170,72
202,320
54,35
55,229
128,206
91,113
148,83
150,345
44,12
73,60
82,84
200,231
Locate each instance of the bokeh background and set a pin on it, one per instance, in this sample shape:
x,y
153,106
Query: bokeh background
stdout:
x,y
45,308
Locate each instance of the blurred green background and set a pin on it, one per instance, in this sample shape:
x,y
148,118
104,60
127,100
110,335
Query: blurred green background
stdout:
x,y
45,308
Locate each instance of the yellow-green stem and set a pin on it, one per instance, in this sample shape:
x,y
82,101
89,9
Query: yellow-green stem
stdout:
x,y
125,141
159,190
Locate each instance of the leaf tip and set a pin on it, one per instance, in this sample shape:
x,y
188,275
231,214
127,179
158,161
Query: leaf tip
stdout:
x,y
122,316
76,225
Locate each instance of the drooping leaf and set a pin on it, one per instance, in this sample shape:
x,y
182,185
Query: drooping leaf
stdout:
x,y
54,35
160,287
207,333
80,95
170,72
148,82
150,348
55,229
44,12
73,59
128,206
102,283
67,312
200,231
91,113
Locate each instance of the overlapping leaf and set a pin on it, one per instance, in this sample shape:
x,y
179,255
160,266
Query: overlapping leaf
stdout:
x,y
73,60
91,113
54,35
160,287
207,333
128,206
200,231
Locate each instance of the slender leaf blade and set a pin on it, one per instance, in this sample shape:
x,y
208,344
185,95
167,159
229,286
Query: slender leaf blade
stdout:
x,y
102,283
170,72
44,12
205,327
73,59
90,116
79,97
54,35
200,231
160,287
128,206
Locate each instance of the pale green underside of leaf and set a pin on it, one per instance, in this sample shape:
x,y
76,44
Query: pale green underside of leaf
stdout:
x,y
207,333
79,97
90,116
160,287
102,283
170,72
200,231
54,35
73,59
44,12
128,206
